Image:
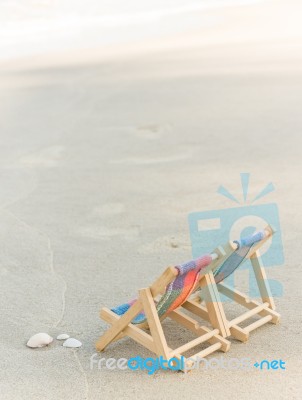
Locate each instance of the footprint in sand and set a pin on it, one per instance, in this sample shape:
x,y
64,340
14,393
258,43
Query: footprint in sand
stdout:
x,y
104,233
166,243
152,131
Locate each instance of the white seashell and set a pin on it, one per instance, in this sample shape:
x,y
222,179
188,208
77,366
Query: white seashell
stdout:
x,y
39,340
63,336
71,342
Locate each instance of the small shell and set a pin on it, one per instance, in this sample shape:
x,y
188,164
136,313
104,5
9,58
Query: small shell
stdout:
x,y
39,340
63,336
71,342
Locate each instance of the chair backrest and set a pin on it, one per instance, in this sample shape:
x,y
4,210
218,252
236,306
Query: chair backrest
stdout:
x,y
239,256
177,292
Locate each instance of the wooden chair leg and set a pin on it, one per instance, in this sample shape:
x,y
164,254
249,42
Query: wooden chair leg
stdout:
x,y
118,326
133,331
213,304
154,323
261,279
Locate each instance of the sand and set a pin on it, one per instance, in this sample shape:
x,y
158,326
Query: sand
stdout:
x,y
101,163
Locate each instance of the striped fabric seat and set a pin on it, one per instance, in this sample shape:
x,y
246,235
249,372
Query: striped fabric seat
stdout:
x,y
177,292
238,257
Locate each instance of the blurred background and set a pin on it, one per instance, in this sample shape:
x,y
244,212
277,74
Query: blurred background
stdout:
x,y
39,27
29,27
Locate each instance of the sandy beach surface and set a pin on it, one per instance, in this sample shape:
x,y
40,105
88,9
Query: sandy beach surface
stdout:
x,y
101,163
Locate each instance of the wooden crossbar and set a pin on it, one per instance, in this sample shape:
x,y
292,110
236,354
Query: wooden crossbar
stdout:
x,y
195,342
248,314
196,308
207,351
258,323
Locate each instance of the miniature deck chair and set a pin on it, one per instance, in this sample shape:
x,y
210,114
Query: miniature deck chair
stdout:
x,y
136,318
235,253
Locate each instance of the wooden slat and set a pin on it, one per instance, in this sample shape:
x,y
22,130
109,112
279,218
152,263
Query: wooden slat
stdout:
x,y
196,309
239,333
258,323
207,351
194,342
163,281
185,320
247,315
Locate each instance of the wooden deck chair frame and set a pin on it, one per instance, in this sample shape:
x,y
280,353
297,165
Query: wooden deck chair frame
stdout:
x,y
155,340
265,309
